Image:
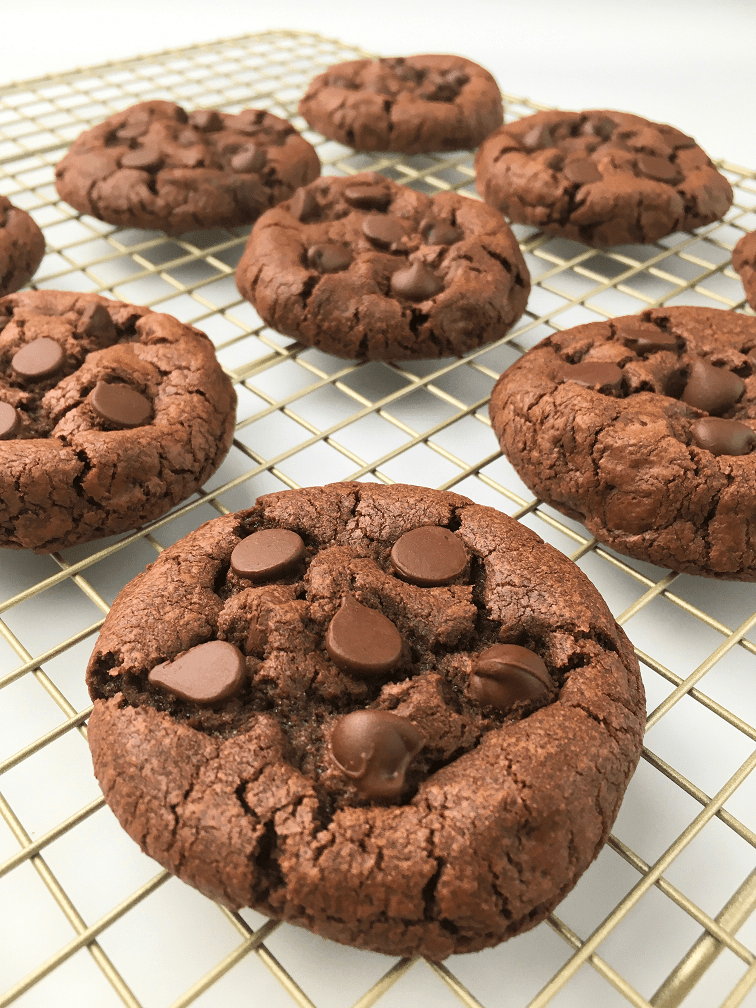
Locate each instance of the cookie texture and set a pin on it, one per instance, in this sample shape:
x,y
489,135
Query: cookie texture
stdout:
x,y
407,808
364,268
744,262
156,166
110,414
22,247
411,104
600,177
643,428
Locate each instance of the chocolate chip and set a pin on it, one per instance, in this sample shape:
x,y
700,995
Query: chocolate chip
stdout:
x,y
95,321
187,138
248,159
658,168
594,374
723,437
416,283
374,748
303,205
443,234
644,337
601,127
9,421
146,158
120,404
368,197
205,674
362,640
206,120
327,258
38,359
677,138
267,554
384,230
538,137
712,389
429,556
582,171
134,128
507,674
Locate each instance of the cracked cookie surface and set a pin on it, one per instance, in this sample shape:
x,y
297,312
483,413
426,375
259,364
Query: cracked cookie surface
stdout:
x,y
257,800
600,177
22,247
643,428
156,166
744,263
110,414
412,104
361,267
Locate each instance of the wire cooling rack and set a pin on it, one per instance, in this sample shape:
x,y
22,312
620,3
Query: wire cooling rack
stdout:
x,y
661,918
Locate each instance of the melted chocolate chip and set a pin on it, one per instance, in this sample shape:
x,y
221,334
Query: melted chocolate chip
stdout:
x,y
644,337
594,374
507,674
362,640
374,748
328,258
267,554
712,389
367,197
303,205
723,437
205,674
583,171
658,168
416,283
206,120
38,359
600,127
120,404
134,128
429,556
9,421
443,234
248,159
96,322
538,137
384,230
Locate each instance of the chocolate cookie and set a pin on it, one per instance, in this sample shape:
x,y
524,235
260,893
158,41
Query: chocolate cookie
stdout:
x,y
155,166
744,262
22,247
383,713
109,415
364,268
602,178
412,104
644,428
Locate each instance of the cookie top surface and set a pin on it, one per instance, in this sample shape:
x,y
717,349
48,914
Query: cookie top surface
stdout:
x,y
600,177
22,247
156,166
644,428
479,727
109,415
364,268
744,262
411,104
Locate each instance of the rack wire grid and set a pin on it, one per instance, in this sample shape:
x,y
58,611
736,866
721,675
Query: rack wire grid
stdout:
x,y
85,919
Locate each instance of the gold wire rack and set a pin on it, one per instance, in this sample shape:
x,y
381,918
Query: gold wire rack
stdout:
x,y
662,917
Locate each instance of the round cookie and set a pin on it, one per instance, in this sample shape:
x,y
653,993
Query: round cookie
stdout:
x,y
155,166
643,428
110,415
364,268
412,104
598,177
433,796
22,247
744,263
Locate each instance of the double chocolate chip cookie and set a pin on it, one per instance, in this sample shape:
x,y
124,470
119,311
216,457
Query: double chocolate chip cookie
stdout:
x,y
383,713
602,178
411,104
109,415
364,268
156,166
744,262
22,247
644,428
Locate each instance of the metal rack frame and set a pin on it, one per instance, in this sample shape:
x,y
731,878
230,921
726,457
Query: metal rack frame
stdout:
x,y
328,414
